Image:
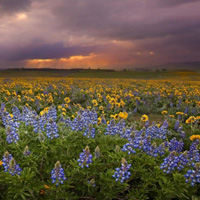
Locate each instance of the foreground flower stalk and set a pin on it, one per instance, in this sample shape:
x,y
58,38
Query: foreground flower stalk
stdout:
x,y
57,174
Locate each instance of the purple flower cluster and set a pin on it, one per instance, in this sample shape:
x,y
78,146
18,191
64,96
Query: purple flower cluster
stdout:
x,y
57,174
11,127
10,165
85,158
52,129
193,176
121,174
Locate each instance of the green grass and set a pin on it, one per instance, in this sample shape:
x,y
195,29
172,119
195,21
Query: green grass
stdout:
x,y
35,73
179,75
137,75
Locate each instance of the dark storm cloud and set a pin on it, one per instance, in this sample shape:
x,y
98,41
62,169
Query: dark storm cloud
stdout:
x,y
10,6
126,20
175,2
45,51
116,30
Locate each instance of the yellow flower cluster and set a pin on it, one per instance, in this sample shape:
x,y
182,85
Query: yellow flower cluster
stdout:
x,y
194,137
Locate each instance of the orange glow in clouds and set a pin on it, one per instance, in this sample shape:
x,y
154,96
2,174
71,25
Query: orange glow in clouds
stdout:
x,y
70,59
40,60
21,16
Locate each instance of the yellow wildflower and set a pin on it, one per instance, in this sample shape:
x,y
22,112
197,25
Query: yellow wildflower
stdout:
x,y
144,118
99,120
193,137
100,107
164,112
191,119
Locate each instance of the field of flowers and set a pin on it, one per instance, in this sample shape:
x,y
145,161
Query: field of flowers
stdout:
x,y
72,138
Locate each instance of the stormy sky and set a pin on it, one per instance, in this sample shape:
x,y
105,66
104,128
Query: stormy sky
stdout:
x,y
98,33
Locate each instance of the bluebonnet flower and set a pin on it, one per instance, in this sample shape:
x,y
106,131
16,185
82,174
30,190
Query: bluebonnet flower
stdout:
x,y
111,128
68,122
181,132
129,147
160,150
121,174
28,115
145,144
38,107
10,165
170,163
57,174
3,106
77,124
176,126
16,113
175,145
26,151
193,111
174,161
193,176
103,120
14,168
154,151
61,119
120,128
157,132
89,131
90,117
126,133
6,118
183,160
52,113
186,110
146,124
193,153
38,124
6,160
165,124
135,110
52,129
12,135
137,102
85,158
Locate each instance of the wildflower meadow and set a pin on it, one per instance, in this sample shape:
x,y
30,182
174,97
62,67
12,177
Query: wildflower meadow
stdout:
x,y
82,138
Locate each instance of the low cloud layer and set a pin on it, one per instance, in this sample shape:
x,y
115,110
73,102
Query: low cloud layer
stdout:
x,y
119,33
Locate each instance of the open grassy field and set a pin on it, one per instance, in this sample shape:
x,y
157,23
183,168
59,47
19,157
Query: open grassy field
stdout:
x,y
183,75
80,73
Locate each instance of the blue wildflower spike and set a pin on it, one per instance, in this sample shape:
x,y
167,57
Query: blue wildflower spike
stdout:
x,y
193,176
85,158
52,129
121,174
10,165
57,174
